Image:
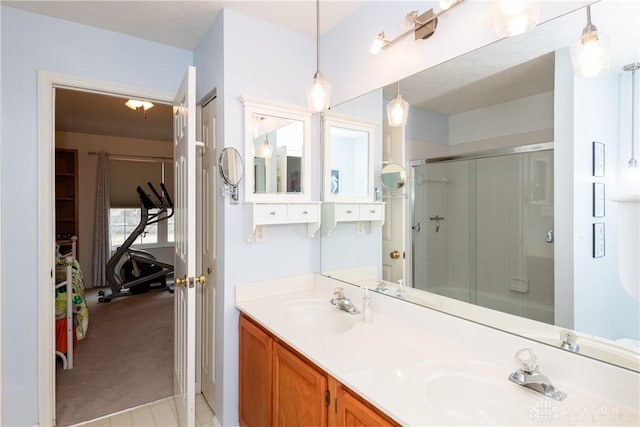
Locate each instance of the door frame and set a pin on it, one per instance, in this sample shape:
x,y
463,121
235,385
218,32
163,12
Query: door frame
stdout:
x,y
47,83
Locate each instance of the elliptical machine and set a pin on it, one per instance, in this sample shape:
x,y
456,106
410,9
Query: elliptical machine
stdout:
x,y
132,271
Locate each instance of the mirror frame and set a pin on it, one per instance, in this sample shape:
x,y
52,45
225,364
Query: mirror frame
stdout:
x,y
254,106
330,120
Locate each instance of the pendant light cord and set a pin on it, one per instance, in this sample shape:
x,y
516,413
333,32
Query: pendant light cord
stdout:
x,y
633,117
317,36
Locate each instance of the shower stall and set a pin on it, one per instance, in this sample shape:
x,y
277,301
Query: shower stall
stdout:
x,y
483,229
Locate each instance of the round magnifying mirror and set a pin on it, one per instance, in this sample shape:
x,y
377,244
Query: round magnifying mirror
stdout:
x,y
393,177
231,166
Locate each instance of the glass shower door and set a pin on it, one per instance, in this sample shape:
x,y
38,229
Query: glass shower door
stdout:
x,y
483,232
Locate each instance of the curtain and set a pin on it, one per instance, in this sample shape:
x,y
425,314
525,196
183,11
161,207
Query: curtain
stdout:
x,y
101,229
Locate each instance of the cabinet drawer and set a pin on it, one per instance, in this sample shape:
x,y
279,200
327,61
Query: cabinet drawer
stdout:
x,y
371,212
270,213
347,212
304,212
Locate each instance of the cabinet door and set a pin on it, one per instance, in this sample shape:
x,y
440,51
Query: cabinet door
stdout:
x,y
298,391
256,351
353,412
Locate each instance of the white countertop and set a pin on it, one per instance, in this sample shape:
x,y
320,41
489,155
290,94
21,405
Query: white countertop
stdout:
x,y
422,367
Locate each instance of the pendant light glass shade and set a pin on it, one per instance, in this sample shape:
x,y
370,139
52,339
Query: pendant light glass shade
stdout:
x,y
397,110
319,90
266,150
591,53
513,17
318,93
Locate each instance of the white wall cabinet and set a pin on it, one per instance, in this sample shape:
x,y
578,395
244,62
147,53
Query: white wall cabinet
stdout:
x,y
282,213
334,212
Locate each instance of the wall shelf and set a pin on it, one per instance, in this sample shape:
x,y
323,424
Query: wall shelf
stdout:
x,y
334,212
66,194
282,213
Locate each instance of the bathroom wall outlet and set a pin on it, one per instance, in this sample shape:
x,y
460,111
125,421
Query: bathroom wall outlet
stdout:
x,y
260,233
360,228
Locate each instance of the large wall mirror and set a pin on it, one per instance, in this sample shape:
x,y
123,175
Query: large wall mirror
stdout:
x,y
277,149
500,225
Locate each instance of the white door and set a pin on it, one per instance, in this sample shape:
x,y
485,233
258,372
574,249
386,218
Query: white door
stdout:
x,y
184,154
393,231
208,291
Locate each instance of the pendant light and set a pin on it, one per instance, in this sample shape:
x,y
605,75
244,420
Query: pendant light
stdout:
x,y
319,90
591,53
397,110
513,17
630,183
266,150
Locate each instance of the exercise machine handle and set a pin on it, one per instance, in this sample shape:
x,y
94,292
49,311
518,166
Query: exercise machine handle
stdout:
x,y
146,201
166,195
156,193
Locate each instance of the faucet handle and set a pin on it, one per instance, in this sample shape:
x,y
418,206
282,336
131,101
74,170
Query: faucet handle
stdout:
x,y
526,359
338,293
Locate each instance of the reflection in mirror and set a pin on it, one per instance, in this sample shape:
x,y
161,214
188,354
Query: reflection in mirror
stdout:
x,y
231,170
498,149
393,177
348,164
277,143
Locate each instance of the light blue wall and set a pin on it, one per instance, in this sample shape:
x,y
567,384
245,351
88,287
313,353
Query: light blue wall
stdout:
x,y
30,43
261,60
427,126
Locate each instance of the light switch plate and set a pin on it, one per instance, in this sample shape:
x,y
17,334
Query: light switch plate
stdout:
x,y
360,228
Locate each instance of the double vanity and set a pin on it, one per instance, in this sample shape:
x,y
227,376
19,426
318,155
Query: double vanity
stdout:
x,y
302,356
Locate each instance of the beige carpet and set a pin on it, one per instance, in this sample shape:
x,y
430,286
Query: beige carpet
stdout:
x,y
125,360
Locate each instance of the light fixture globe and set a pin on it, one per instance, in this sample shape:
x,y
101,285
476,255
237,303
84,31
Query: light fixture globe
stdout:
x,y
318,93
397,111
591,53
513,17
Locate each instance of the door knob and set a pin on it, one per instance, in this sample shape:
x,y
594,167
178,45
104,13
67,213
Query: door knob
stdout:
x,y
180,281
394,254
200,279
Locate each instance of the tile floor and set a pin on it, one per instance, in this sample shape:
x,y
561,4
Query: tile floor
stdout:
x,y
161,413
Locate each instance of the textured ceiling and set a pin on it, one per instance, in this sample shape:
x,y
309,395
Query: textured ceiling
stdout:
x,y
98,114
184,23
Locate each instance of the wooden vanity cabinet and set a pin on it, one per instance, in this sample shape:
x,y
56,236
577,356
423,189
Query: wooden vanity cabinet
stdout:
x,y
299,390
256,362
280,387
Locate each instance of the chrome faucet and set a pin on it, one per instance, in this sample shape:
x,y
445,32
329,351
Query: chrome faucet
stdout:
x,y
569,341
342,302
529,376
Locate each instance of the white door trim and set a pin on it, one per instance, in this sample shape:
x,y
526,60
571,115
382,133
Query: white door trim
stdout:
x,y
47,82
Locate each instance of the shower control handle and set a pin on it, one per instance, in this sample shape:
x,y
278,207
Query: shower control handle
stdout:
x,y
549,236
416,227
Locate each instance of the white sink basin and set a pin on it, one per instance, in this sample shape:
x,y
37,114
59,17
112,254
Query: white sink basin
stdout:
x,y
473,394
315,315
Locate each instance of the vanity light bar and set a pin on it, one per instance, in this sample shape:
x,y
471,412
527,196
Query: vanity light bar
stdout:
x,y
424,27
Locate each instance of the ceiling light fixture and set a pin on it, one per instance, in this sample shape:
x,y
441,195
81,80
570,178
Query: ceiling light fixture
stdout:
x,y
422,26
319,90
397,110
591,53
513,17
138,105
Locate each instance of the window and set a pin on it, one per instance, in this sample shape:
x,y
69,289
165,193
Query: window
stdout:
x,y
124,220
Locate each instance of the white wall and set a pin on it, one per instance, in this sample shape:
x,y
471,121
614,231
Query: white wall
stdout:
x,y
30,43
264,61
521,116
353,71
